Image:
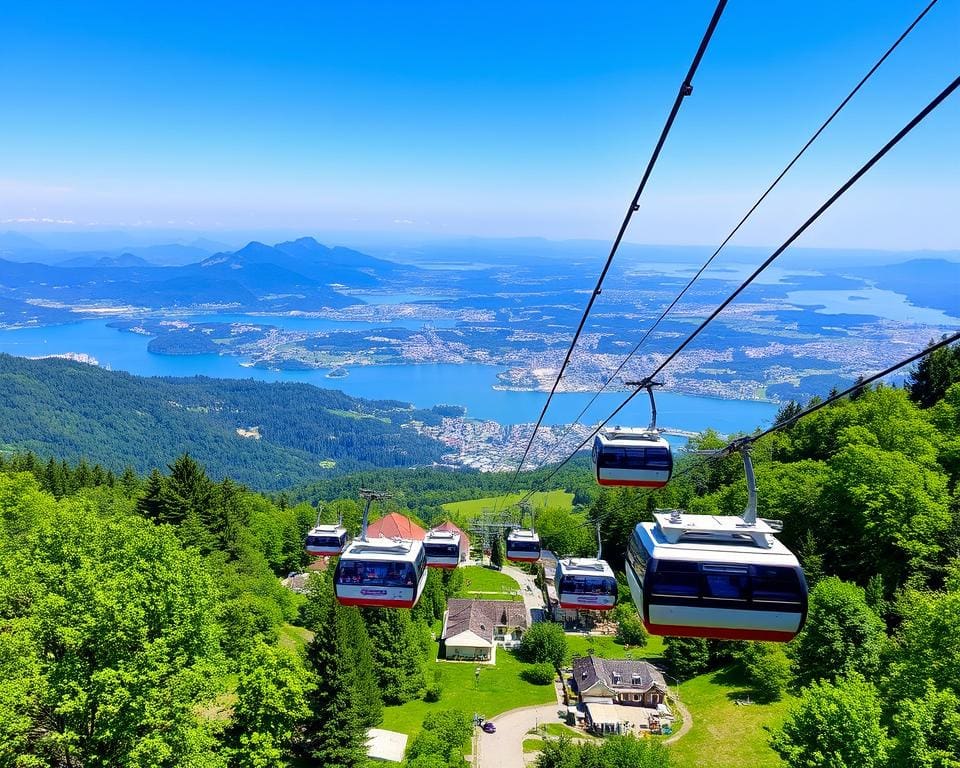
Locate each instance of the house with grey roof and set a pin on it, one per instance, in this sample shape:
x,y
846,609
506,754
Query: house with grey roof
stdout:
x,y
618,681
472,629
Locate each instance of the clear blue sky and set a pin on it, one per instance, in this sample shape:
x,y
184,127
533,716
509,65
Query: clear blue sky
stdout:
x,y
495,119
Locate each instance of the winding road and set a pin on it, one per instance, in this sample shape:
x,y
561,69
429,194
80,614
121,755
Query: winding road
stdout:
x,y
504,749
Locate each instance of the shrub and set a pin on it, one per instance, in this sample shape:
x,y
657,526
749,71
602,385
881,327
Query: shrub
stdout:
x,y
539,674
433,694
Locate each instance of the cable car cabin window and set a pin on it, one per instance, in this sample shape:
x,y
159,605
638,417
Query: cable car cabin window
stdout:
x,y
675,579
774,584
376,574
637,558
523,546
587,585
634,458
442,550
421,561
658,458
324,541
727,586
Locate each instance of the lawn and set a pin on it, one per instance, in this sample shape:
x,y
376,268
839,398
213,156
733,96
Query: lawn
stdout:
x,y
488,584
559,729
540,500
607,647
725,735
500,688
292,637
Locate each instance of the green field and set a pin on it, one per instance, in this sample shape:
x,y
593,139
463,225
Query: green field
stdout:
x,y
500,688
725,735
539,500
487,584
608,648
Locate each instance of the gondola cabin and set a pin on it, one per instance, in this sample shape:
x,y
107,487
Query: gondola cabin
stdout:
x,y
523,546
715,577
586,584
631,456
381,573
442,548
326,540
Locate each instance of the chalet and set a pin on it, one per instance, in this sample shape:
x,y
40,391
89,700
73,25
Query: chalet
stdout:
x,y
472,629
395,526
618,681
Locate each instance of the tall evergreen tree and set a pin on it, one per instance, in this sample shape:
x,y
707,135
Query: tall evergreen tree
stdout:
x,y
130,482
187,501
496,552
149,505
929,381
397,653
335,732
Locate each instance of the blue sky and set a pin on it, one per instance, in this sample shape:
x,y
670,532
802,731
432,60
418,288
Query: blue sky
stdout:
x,y
491,119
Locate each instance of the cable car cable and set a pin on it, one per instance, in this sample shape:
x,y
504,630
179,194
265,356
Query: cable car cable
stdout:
x,y
686,88
746,216
913,123
734,445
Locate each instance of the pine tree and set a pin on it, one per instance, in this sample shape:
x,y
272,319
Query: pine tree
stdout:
x,y
496,553
933,375
335,732
82,477
130,482
148,505
397,653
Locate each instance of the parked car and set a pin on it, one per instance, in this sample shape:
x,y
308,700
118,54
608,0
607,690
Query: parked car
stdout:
x,y
489,727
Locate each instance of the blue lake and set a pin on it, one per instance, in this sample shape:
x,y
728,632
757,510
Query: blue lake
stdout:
x,y
424,385
871,301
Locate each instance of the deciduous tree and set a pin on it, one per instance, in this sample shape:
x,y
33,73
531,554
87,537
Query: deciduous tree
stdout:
x,y
842,634
835,725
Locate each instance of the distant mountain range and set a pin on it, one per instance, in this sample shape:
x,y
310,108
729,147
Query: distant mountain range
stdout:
x,y
267,436
296,275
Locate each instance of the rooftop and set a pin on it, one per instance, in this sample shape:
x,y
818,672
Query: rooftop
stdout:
x,y
395,526
616,674
482,616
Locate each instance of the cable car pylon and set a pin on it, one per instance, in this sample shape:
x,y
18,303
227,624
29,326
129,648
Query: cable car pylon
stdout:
x,y
383,573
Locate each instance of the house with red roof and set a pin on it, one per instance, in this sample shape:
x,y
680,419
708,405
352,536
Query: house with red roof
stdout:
x,y
395,526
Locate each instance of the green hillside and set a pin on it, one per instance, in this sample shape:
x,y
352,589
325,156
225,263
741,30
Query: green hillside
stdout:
x,y
288,433
473,507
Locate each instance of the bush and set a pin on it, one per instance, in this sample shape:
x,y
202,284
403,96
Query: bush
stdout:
x,y
433,694
630,629
539,674
544,642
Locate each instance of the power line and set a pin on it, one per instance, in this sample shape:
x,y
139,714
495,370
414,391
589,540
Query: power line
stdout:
x,y
743,286
746,216
686,88
857,386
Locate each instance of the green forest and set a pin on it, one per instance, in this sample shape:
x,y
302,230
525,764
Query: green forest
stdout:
x,y
74,411
143,622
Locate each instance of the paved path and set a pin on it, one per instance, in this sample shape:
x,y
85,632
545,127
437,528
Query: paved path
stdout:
x,y
685,726
504,749
532,596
